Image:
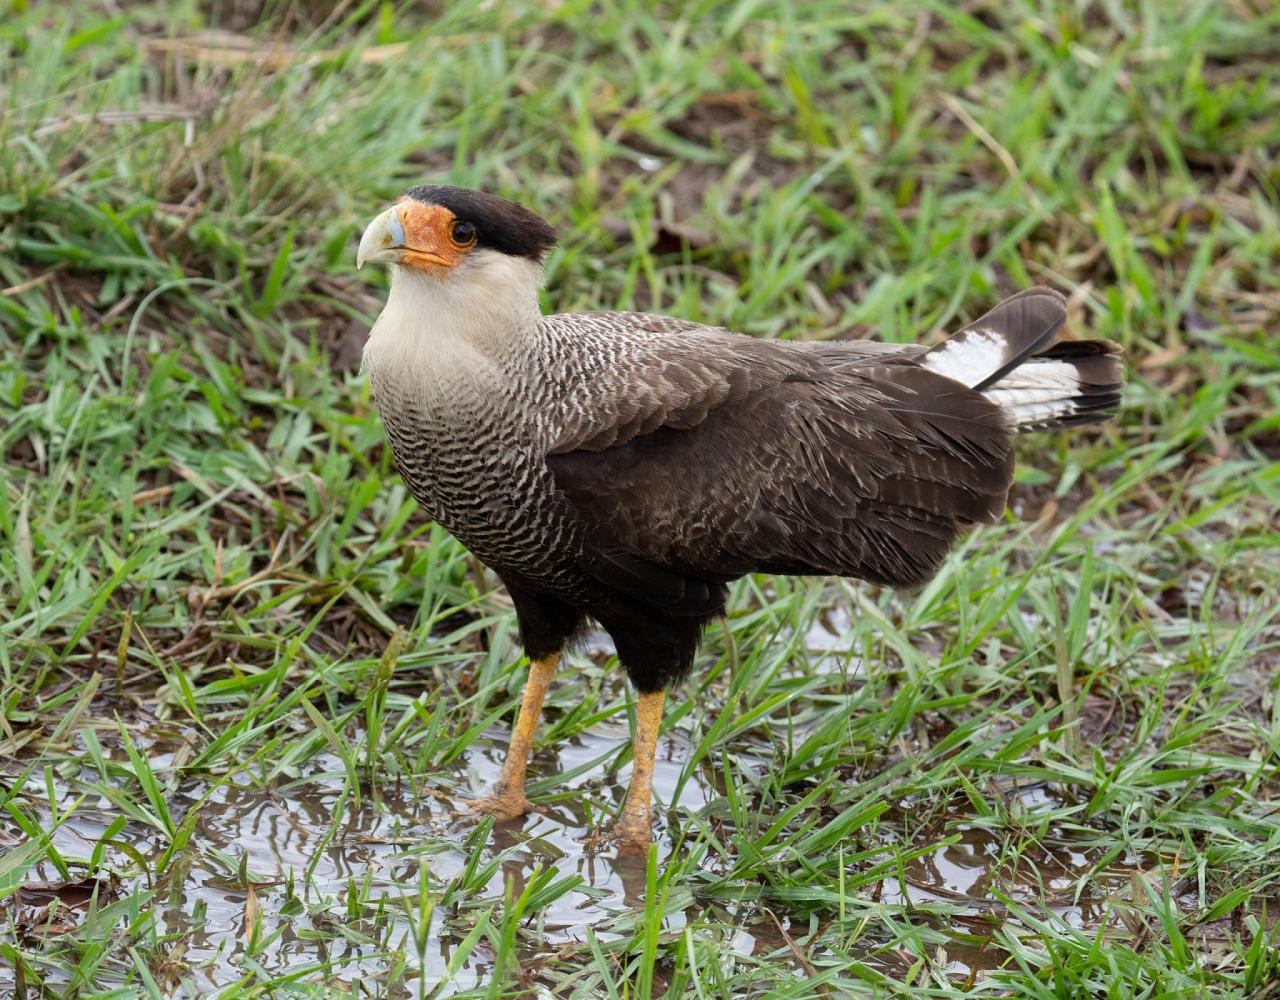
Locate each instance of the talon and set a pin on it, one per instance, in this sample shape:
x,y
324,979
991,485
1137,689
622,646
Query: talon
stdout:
x,y
503,807
633,835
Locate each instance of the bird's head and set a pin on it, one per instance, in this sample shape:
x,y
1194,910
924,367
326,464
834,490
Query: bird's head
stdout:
x,y
465,272
449,233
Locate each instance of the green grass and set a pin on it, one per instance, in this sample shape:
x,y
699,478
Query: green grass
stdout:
x,y
246,685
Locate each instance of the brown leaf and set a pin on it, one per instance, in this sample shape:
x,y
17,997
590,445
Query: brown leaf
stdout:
x,y
42,909
76,893
674,237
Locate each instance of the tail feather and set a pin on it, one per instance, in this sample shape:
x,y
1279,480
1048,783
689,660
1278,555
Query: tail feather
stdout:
x,y
995,344
1073,382
1010,356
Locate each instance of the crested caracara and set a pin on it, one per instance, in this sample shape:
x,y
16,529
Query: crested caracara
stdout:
x,y
627,467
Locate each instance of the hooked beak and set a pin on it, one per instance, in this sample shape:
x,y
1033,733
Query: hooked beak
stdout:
x,y
383,240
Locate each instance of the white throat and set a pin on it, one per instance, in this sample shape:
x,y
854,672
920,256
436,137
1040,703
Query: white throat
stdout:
x,y
458,326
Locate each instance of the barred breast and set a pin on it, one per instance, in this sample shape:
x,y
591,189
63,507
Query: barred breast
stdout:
x,y
475,462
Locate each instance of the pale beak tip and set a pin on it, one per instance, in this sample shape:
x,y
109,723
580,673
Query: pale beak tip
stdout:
x,y
383,236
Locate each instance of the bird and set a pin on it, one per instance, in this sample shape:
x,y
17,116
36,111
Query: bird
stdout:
x,y
624,468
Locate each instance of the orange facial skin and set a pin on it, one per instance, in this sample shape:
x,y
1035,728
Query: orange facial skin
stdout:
x,y
428,236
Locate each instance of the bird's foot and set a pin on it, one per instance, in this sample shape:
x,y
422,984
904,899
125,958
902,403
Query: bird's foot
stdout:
x,y
504,804
633,833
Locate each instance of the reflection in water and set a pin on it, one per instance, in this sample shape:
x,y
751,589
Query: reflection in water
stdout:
x,y
336,890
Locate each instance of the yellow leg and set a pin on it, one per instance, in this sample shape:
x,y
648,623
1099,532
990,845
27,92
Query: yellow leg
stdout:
x,y
507,799
635,826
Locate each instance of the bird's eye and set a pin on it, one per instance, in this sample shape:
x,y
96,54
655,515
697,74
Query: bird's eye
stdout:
x,y
464,234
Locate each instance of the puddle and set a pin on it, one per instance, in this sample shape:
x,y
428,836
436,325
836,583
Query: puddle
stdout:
x,y
286,834
828,643
340,893
962,875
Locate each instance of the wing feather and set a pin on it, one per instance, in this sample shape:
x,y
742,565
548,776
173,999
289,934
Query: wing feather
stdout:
x,y
754,456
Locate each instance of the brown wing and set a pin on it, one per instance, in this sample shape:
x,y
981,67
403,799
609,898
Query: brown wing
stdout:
x,y
688,370
751,456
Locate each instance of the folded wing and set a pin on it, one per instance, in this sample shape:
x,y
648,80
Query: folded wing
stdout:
x,y
723,456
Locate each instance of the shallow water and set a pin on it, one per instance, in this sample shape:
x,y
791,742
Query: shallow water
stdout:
x,y
377,849
287,833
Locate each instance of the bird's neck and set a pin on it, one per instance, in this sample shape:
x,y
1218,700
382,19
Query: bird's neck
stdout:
x,y
456,327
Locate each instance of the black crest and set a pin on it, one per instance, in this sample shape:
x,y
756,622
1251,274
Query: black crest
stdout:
x,y
500,224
